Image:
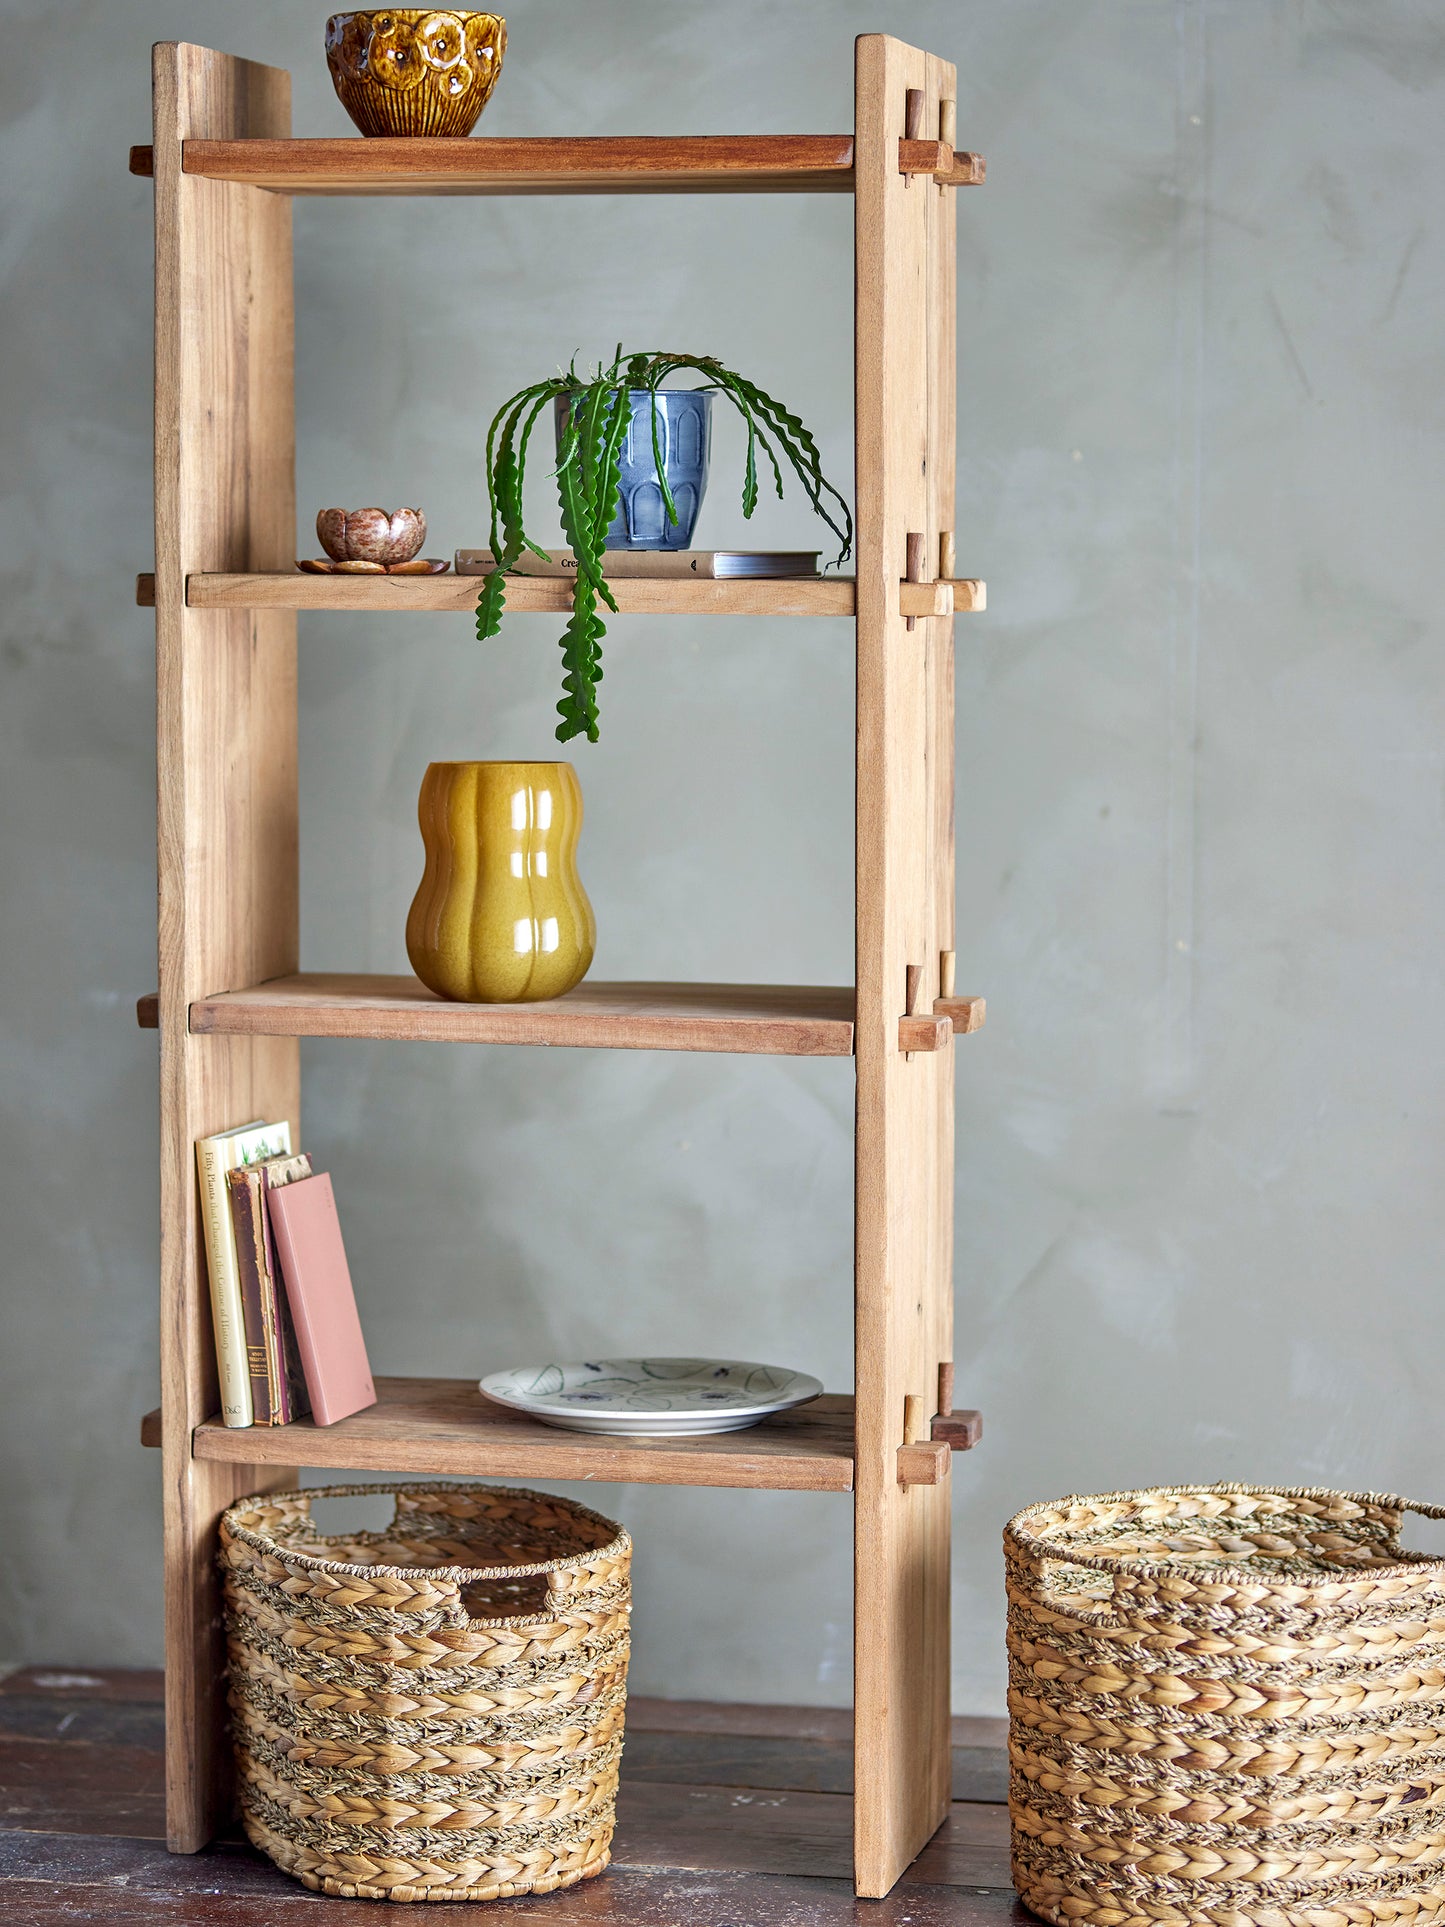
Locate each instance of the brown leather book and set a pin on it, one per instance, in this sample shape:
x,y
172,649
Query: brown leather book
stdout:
x,y
278,1389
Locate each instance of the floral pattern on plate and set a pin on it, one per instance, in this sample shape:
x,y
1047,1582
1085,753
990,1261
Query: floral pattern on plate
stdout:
x,y
651,1396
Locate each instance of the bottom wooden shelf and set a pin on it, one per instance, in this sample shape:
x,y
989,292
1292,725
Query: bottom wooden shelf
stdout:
x,y
445,1426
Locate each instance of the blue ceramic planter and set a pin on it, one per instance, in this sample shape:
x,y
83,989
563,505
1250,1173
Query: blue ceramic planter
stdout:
x,y
685,430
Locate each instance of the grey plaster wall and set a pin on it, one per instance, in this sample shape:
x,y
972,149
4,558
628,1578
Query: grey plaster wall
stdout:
x,y
1201,780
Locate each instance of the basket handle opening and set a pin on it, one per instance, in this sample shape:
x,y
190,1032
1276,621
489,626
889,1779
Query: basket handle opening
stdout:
x,y
1082,1593
1427,1542
482,1602
346,1514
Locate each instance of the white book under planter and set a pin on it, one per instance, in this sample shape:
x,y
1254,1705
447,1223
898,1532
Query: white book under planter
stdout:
x,y
713,565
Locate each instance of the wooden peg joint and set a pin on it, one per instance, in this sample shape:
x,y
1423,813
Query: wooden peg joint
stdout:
x,y
912,983
962,1015
966,1014
924,599
143,162
150,1428
948,594
912,121
921,1460
924,1033
959,1431
913,569
923,1464
148,1010
943,161
970,596
960,597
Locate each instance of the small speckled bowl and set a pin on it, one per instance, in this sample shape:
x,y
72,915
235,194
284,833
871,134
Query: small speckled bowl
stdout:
x,y
371,535
414,70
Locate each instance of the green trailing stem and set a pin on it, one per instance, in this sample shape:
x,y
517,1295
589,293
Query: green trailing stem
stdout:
x,y
588,479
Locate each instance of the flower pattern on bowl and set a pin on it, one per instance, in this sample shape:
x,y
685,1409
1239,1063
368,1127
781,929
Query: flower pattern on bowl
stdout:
x,y
414,70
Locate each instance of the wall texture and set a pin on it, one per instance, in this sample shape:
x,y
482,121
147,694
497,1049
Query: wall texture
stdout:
x,y
1201,779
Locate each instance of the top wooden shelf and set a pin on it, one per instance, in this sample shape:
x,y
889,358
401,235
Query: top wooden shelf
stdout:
x,y
609,164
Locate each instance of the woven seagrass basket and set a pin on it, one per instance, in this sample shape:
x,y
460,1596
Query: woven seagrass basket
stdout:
x,y
1226,1706
433,1711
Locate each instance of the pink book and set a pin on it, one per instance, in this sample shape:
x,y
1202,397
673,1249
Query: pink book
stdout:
x,y
323,1305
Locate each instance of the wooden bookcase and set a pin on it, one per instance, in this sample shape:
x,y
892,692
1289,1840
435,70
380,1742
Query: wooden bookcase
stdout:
x,y
231,1003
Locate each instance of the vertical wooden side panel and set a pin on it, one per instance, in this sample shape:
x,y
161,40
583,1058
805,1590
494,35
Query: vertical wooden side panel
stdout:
x,y
942,349
903,1287
227,806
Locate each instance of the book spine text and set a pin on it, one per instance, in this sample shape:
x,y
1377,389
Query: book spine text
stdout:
x,y
653,564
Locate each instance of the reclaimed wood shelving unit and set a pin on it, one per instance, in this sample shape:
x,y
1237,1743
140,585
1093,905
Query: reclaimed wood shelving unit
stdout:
x,y
232,1004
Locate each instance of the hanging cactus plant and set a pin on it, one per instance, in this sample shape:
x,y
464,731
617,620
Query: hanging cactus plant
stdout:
x,y
588,476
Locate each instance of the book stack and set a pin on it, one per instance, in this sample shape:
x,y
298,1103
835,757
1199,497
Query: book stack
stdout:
x,y
710,565
288,1340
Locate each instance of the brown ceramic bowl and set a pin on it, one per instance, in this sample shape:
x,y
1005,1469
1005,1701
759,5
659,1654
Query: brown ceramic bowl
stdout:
x,y
414,70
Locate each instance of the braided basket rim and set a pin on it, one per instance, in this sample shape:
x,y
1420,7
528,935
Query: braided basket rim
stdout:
x,y
232,1523
1032,1546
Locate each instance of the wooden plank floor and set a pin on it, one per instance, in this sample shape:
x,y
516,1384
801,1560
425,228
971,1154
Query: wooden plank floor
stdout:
x,y
730,1817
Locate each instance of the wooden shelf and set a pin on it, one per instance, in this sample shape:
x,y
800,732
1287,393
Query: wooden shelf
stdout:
x,y
780,1020
445,1426
225,168
824,595
457,594
629,164
593,164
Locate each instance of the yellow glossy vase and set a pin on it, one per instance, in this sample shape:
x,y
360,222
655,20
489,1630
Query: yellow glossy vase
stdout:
x,y
501,916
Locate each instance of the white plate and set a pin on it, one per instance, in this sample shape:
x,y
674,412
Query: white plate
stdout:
x,y
651,1397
